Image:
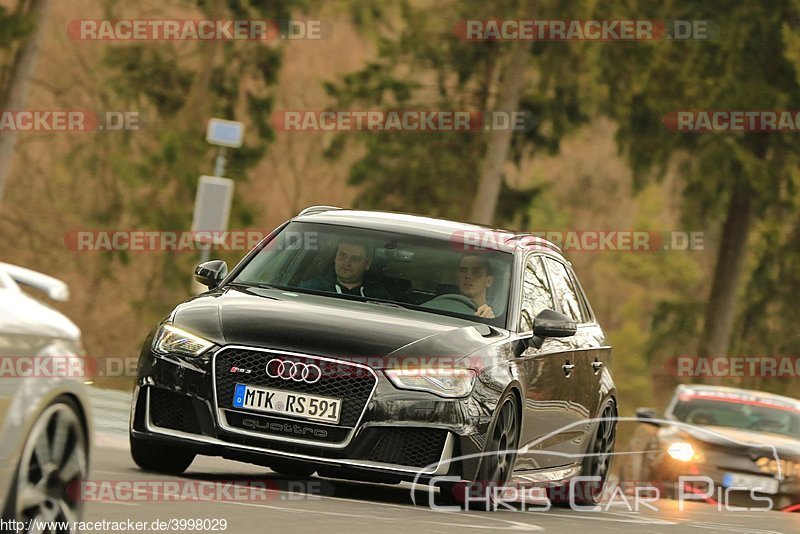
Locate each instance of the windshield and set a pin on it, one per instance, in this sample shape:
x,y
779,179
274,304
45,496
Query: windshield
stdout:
x,y
746,414
425,273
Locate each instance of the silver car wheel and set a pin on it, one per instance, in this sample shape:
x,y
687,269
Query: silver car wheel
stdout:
x,y
51,469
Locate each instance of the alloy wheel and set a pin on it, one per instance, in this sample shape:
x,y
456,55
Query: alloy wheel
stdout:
x,y
602,449
53,464
504,443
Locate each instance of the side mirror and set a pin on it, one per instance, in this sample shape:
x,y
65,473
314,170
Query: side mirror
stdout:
x,y
211,273
647,415
550,323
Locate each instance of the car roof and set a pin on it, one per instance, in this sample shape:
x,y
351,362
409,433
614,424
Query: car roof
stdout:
x,y
762,395
404,223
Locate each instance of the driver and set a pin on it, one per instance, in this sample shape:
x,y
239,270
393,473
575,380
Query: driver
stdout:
x,y
352,260
474,278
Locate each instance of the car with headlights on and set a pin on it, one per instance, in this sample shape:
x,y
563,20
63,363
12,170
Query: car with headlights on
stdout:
x,y
746,442
44,414
382,347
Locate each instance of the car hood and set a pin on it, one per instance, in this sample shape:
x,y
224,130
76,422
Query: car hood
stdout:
x,y
329,326
786,446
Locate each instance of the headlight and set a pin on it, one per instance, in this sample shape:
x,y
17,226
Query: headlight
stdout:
x,y
443,382
170,338
683,451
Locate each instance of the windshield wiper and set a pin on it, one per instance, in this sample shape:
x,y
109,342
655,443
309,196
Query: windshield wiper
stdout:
x,y
390,304
250,284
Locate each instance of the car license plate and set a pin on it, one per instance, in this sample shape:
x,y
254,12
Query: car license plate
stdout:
x,y
750,482
287,403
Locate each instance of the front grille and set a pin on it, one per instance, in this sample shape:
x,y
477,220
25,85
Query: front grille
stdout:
x,y
417,447
341,380
173,410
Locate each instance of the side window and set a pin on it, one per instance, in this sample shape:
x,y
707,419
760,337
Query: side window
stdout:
x,y
584,302
536,294
564,291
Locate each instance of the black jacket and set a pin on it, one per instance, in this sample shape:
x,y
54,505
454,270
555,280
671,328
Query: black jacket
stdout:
x,y
329,284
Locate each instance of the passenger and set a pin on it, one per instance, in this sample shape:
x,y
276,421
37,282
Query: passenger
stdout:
x,y
352,261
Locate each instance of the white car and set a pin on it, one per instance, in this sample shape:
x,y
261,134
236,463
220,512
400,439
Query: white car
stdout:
x,y
44,429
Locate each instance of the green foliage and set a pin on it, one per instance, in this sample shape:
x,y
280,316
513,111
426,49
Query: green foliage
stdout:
x,y
767,324
743,67
421,64
155,170
751,63
633,384
133,69
651,303
13,26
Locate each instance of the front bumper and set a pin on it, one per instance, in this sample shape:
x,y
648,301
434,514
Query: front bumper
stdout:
x,y
396,435
719,464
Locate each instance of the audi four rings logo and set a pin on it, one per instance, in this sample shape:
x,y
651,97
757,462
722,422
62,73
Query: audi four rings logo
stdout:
x,y
297,371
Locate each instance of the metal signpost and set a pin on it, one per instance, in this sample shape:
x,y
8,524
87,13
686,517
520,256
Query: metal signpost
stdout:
x,y
212,203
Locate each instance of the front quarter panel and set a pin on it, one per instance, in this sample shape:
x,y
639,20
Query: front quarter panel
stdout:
x,y
23,398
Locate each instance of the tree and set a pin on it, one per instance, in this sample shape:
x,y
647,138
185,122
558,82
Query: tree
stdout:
x,y
485,203
16,78
424,65
146,179
729,179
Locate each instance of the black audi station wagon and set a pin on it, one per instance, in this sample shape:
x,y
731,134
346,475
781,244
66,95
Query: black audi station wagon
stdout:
x,y
383,347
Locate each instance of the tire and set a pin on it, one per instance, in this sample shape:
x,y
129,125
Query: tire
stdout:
x,y
497,463
292,469
53,463
596,463
160,458
452,494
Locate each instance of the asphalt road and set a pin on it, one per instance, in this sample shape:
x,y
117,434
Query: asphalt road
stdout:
x,y
319,505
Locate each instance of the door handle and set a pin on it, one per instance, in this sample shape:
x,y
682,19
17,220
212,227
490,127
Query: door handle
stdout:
x,y
597,365
567,368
